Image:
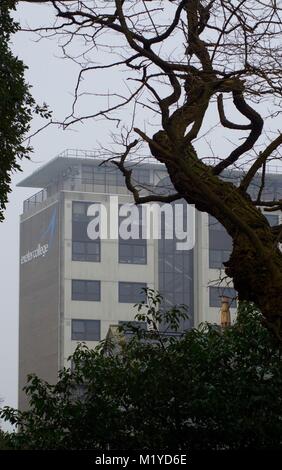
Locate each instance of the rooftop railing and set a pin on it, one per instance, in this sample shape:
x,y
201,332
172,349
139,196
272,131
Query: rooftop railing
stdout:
x,y
79,184
87,185
34,201
79,153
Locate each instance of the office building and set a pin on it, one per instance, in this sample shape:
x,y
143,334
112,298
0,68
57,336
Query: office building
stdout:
x,y
73,287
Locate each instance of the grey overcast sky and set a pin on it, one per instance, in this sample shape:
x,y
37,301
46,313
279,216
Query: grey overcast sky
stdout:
x,y
53,81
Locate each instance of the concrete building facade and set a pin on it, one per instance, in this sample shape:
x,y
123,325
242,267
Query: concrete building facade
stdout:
x,y
72,288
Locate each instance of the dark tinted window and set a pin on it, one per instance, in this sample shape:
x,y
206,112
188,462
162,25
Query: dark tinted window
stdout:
x,y
83,248
175,272
220,244
85,330
273,219
218,257
85,290
131,292
109,175
133,251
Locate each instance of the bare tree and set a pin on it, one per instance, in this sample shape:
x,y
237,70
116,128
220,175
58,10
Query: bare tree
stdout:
x,y
182,56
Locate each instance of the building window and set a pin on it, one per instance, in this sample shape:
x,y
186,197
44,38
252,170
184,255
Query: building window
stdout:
x,y
273,219
220,244
218,257
133,251
112,176
83,248
93,174
217,292
85,290
85,330
141,176
131,292
175,270
86,251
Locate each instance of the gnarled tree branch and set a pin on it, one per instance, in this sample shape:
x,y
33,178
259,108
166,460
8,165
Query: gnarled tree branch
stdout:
x,y
256,123
224,121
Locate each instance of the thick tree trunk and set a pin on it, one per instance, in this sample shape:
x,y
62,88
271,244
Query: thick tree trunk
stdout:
x,y
255,264
257,276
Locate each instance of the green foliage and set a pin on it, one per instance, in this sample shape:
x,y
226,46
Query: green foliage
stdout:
x,y
4,441
16,105
206,389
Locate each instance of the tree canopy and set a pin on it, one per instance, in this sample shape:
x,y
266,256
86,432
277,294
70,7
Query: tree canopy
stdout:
x,y
4,438
206,389
185,62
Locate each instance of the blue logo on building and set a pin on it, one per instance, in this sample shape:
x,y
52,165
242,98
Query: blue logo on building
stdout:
x,y
51,229
45,242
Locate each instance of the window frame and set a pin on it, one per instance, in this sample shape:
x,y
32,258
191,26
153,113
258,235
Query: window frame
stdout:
x,y
86,333
128,299
82,218
86,283
132,244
